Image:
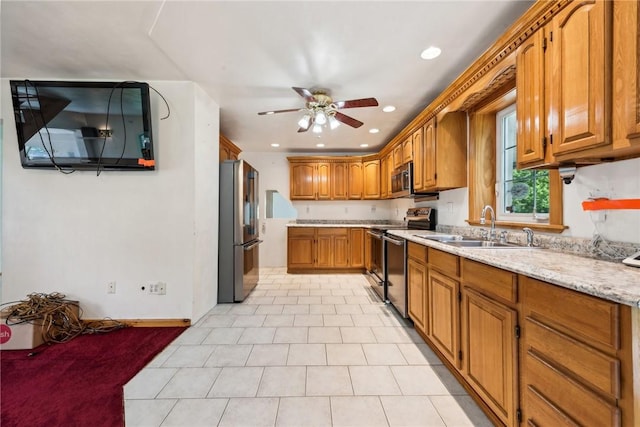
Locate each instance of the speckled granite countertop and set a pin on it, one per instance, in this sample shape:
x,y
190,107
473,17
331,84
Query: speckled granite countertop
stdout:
x,y
343,223
612,281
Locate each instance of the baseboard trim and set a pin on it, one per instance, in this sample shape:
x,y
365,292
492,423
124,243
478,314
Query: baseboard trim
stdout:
x,y
149,323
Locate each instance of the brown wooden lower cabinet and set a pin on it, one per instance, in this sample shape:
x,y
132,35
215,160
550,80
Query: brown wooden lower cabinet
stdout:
x,y
325,249
532,353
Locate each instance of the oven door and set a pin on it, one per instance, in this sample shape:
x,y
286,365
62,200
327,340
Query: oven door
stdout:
x,y
396,271
375,273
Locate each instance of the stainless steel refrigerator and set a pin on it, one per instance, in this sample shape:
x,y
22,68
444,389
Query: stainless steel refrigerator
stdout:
x,y
238,252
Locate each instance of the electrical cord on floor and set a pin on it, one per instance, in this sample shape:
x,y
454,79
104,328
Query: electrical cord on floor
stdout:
x,y
59,317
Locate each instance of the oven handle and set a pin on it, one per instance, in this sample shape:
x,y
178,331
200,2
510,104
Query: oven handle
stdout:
x,y
376,235
394,241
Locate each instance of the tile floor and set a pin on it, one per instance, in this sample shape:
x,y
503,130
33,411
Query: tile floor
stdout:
x,y
302,350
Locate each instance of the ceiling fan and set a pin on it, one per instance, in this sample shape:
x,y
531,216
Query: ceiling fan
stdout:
x,y
321,109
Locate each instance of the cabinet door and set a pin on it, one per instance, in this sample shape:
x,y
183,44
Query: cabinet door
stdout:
x,y
580,46
341,250
301,248
418,160
384,175
355,186
398,156
443,311
302,181
407,150
367,251
490,353
417,283
429,163
323,181
324,250
339,181
530,102
371,179
356,247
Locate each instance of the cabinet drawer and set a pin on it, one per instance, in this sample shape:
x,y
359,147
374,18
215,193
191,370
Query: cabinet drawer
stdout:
x,y
445,262
543,413
590,319
301,231
417,251
588,365
331,231
490,280
569,397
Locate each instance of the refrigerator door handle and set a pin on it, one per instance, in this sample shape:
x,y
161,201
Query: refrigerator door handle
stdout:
x,y
251,246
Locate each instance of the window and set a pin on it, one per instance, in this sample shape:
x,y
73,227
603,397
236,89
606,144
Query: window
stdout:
x,y
521,195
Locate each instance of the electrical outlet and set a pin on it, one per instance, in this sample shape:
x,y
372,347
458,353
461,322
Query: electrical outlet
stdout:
x,y
111,287
159,288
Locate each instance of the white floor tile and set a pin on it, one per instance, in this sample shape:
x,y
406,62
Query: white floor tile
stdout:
x,y
327,334
366,320
270,309
307,355
237,382
257,336
365,411
190,383
322,309
223,336
348,309
337,320
192,336
296,309
357,335
268,355
418,381
383,354
345,354
373,381
392,334
229,355
243,309
411,411
308,320
256,412
304,411
253,320
189,356
460,411
290,335
328,381
278,320
196,412
283,381
148,383
419,354
147,413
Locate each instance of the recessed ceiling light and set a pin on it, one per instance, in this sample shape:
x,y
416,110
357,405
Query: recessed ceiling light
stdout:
x,y
364,145
269,112
319,145
374,130
389,108
430,52
275,145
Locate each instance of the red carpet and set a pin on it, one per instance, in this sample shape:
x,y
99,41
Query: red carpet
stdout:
x,y
78,383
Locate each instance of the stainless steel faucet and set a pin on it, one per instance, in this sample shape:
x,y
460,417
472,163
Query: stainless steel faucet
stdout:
x,y
492,232
529,235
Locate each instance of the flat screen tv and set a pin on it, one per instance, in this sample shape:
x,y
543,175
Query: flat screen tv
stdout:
x,y
70,126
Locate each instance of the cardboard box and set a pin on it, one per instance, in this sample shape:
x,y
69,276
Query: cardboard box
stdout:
x,y
19,337
23,336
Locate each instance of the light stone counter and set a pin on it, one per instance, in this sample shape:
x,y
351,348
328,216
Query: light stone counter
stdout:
x,y
612,281
342,224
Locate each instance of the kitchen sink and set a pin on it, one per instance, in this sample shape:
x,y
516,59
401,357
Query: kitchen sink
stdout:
x,y
441,237
486,244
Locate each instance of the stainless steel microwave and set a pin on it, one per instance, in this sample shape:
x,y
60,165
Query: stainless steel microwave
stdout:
x,y
402,180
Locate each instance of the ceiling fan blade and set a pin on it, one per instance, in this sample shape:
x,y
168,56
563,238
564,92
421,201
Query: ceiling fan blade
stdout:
x,y
348,120
356,103
305,93
263,113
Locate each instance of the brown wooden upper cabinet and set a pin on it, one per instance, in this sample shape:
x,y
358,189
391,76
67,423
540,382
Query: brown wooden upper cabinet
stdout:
x,y
228,150
445,152
356,180
563,82
371,179
310,181
418,164
407,149
398,155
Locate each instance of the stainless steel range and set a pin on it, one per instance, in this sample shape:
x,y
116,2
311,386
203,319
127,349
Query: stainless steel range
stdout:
x,y
388,271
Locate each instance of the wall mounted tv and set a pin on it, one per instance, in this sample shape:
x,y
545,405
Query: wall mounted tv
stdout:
x,y
83,125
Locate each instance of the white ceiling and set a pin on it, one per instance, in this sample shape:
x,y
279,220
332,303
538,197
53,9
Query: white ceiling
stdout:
x,y
248,55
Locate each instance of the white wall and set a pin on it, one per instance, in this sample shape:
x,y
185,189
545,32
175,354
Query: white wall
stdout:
x,y
75,233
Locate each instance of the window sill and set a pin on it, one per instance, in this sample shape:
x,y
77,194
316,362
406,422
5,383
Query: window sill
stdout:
x,y
546,228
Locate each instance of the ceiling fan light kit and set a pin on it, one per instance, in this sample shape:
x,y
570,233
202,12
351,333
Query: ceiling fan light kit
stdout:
x,y
320,110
